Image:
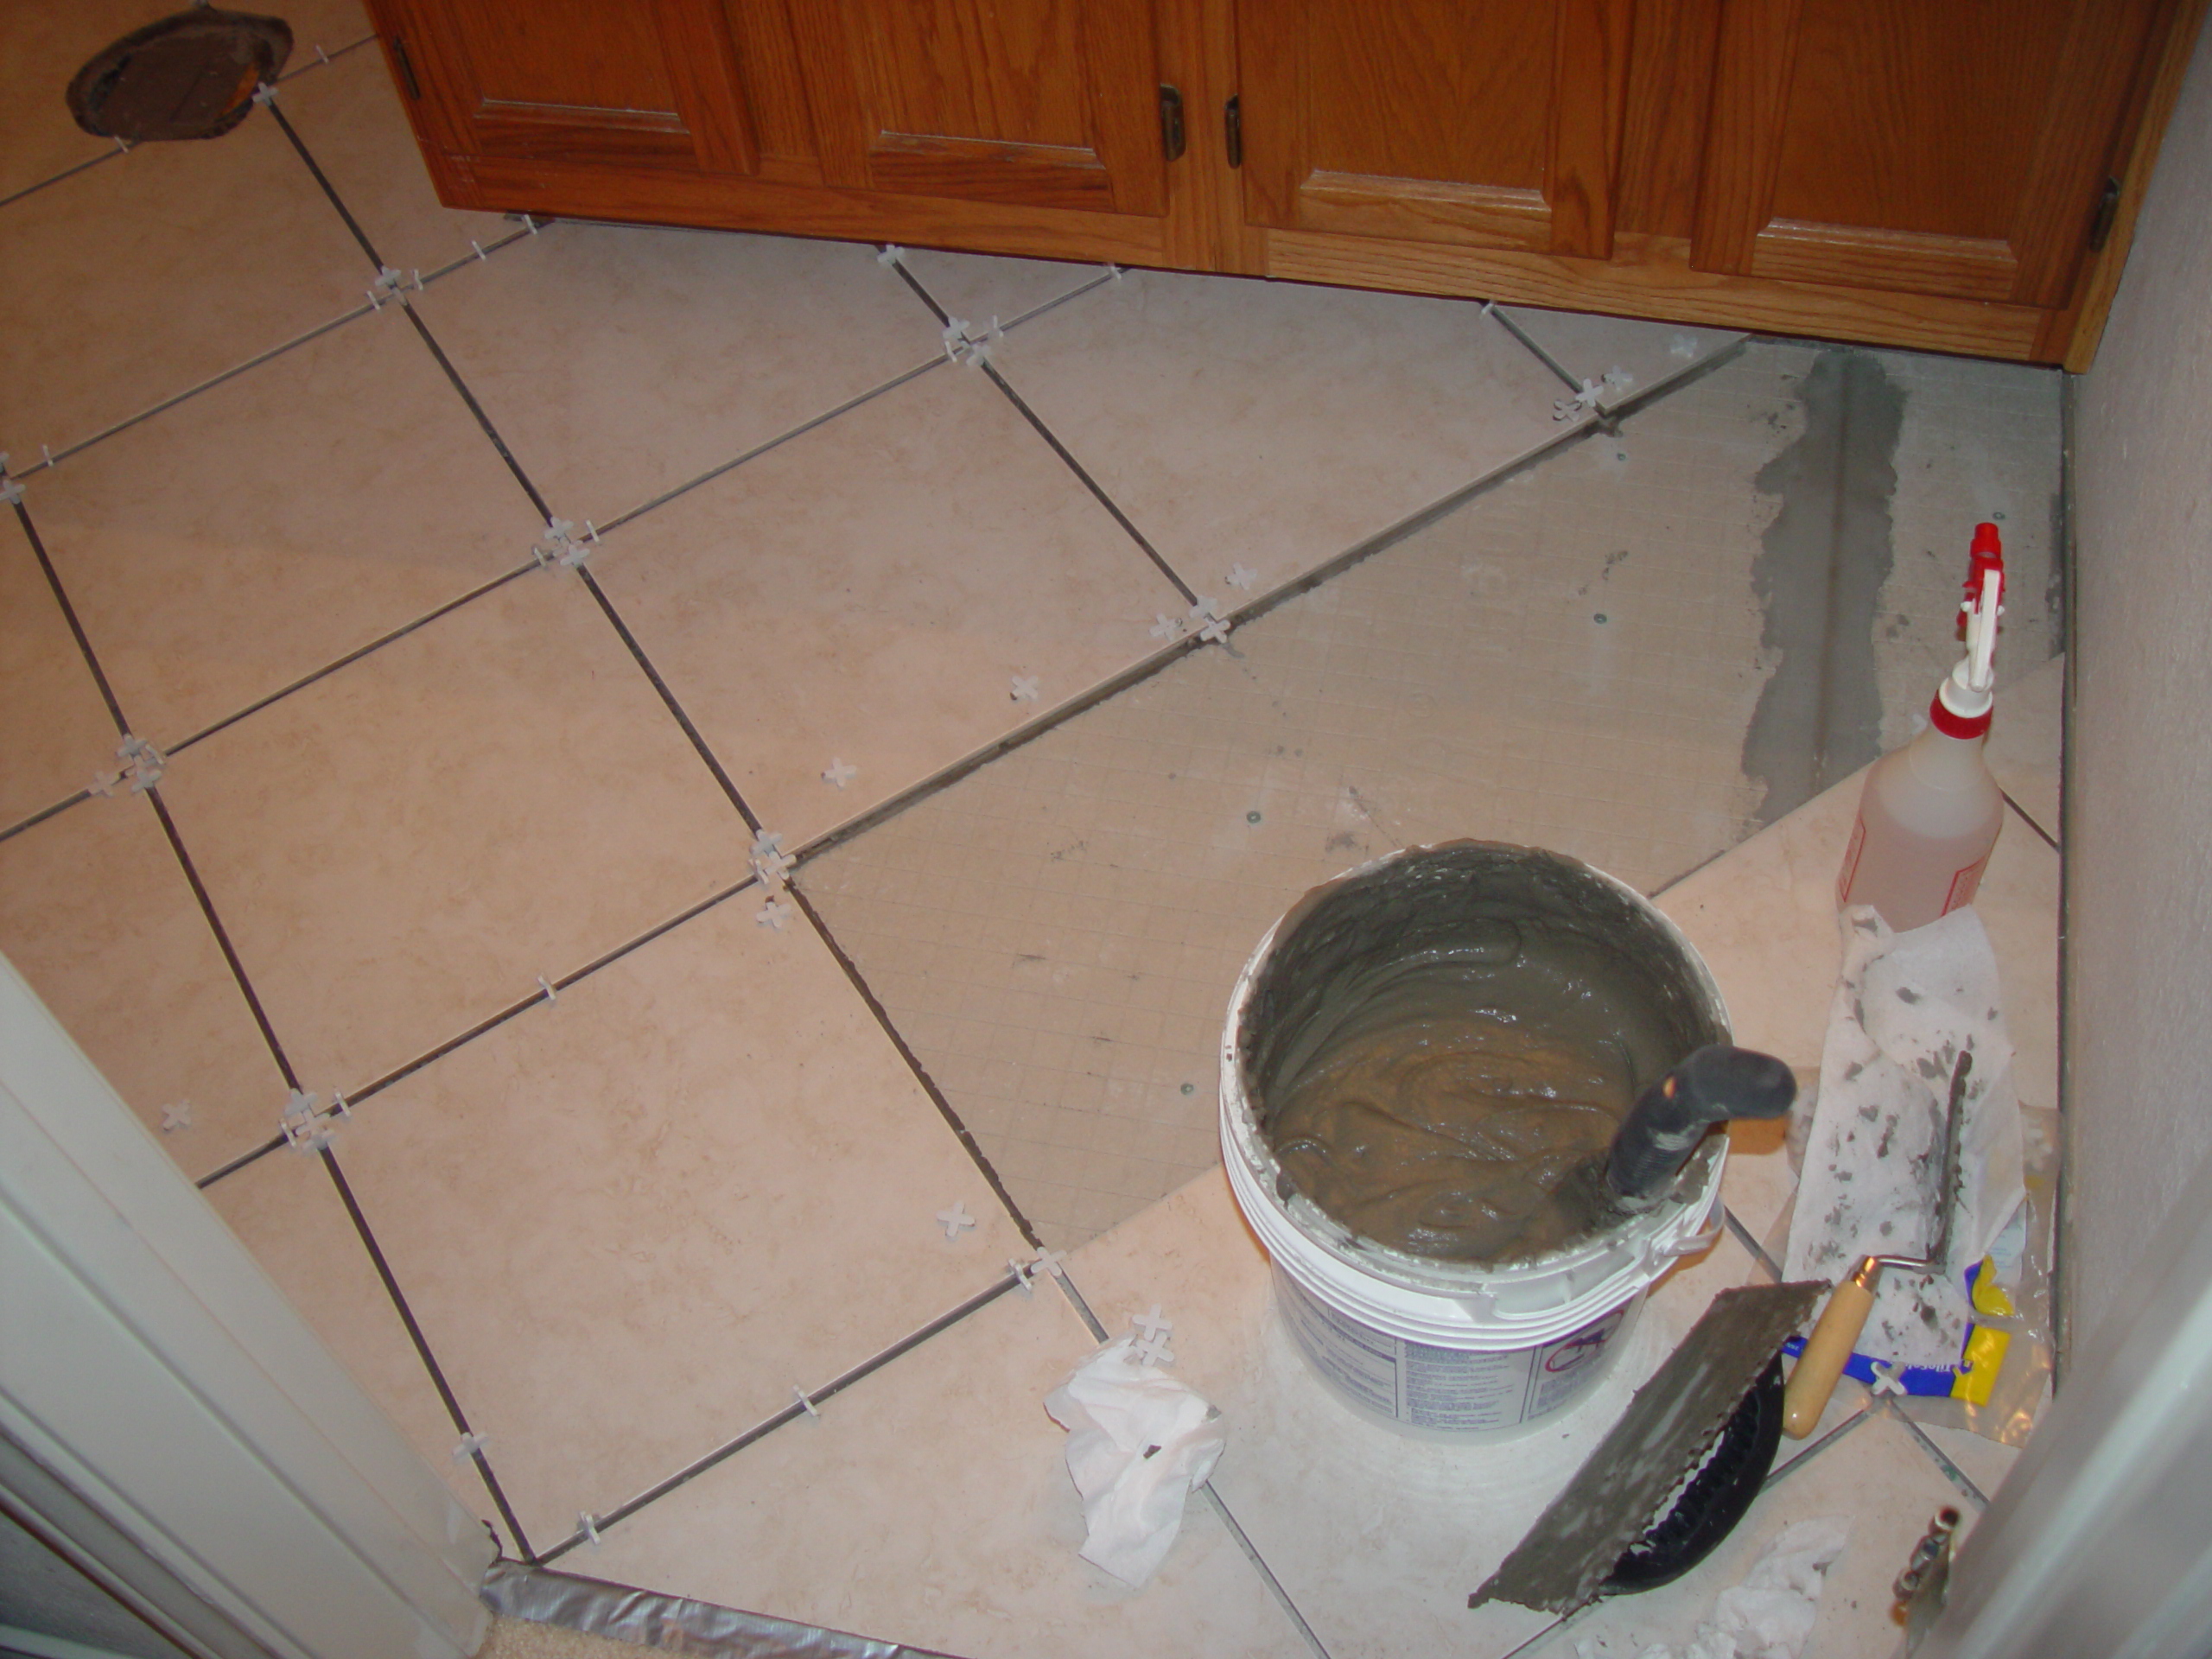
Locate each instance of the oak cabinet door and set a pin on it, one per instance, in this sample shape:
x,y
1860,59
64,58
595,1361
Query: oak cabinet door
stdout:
x,y
1959,148
1492,124
651,82
1051,104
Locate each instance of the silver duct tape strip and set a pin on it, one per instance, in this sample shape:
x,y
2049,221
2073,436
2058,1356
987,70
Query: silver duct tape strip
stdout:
x,y
698,1629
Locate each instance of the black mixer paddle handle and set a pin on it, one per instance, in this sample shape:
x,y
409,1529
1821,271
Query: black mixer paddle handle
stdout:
x,y
1671,1116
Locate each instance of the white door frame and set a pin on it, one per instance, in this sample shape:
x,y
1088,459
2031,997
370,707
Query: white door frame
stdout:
x,y
151,1373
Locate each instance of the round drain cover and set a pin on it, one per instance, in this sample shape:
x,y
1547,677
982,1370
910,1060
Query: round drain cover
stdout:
x,y
189,76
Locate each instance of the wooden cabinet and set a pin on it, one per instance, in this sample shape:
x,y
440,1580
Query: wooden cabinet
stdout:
x,y
1961,175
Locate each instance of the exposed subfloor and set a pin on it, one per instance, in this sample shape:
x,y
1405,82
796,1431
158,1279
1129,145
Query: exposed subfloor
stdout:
x,y
498,599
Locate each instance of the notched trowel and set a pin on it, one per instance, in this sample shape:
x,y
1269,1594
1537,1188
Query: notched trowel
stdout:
x,y
1667,1429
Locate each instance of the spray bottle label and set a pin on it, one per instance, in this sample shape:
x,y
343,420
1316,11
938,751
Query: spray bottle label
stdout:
x,y
1964,884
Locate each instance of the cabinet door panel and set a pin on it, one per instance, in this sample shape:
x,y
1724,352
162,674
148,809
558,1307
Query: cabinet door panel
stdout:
x,y
1496,123
1049,103
631,80
1958,149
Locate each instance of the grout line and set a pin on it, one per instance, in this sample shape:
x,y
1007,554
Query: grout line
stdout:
x,y
351,657
2028,818
400,1074
945,1106
299,149
1496,313
1952,1472
690,1471
1112,273
44,813
944,317
668,700
484,421
1814,1449
1266,1574
1552,1629
69,172
1744,1237
1189,595
69,615
325,57
223,939
63,453
759,450
1082,1308
241,1162
422,1349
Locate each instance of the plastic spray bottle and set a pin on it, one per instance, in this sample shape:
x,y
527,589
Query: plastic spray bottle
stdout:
x,y
1930,813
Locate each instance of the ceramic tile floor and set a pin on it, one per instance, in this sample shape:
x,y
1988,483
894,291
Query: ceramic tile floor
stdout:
x,y
452,830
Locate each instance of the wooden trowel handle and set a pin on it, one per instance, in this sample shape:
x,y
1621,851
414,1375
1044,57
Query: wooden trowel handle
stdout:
x,y
1826,1350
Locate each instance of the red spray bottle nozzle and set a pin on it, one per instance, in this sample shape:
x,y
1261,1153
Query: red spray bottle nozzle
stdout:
x,y
1986,554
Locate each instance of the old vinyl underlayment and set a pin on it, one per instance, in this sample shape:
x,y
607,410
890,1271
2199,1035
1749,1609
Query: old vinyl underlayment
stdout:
x,y
1059,659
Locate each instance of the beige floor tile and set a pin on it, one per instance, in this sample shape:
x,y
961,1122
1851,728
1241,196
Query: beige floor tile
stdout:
x,y
286,1210
710,1179
137,279
349,116
932,1505
619,362
1067,992
58,730
868,592
97,914
980,288
1377,1537
225,548
1984,1462
1639,356
1274,425
400,850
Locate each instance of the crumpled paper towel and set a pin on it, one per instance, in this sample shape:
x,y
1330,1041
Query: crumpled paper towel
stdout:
x,y
1905,1005
1770,1614
1139,1443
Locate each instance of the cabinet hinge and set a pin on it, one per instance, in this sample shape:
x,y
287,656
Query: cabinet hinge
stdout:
x,y
1171,122
1232,125
2107,211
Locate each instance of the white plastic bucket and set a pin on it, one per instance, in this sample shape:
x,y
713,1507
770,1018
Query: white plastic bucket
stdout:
x,y
1446,1347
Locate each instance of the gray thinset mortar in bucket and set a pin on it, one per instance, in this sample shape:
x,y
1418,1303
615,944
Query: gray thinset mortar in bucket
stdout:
x,y
1451,1327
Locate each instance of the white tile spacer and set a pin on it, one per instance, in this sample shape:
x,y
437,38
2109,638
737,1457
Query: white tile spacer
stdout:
x,y
11,491
529,224
800,1394
770,863
774,913
1154,1352
1022,1270
1049,1262
956,1220
264,93
321,56
1489,308
122,147
1565,409
1024,689
142,767
972,350
546,986
587,1525
1888,1379
1115,272
1619,379
1165,627
302,1124
469,1445
479,246
891,254
560,547
1682,345
1151,1326
1242,576
176,1117
1207,621
839,772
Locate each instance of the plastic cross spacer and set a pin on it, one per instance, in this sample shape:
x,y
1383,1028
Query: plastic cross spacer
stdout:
x,y
956,1220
